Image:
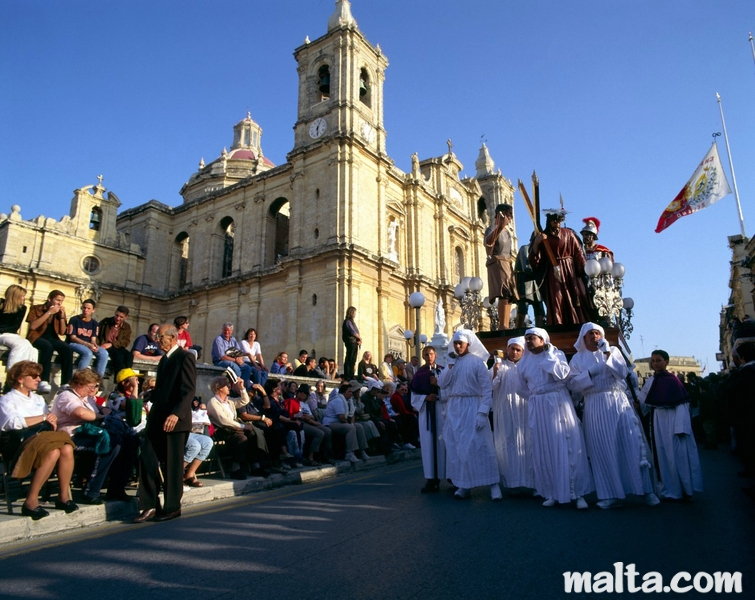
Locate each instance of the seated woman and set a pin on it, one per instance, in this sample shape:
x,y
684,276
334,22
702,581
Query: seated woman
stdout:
x,y
281,365
74,407
12,313
246,443
386,369
366,369
199,445
253,355
22,408
273,406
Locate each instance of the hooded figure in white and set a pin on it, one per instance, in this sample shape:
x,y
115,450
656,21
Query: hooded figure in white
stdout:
x,y
465,390
613,432
559,458
511,428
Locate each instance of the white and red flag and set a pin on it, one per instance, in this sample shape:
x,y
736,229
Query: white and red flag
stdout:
x,y
707,185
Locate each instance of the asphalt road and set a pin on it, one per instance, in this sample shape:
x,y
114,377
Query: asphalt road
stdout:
x,y
372,535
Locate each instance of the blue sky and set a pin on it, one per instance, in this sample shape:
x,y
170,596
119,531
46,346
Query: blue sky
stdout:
x,y
613,103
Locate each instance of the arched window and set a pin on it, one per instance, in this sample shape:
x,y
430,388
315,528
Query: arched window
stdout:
x,y
323,82
227,226
95,219
365,88
182,255
277,230
458,264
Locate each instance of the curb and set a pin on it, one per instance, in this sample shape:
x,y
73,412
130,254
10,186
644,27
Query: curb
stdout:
x,y
15,528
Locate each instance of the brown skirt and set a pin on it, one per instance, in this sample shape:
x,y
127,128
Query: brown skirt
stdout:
x,y
501,280
35,449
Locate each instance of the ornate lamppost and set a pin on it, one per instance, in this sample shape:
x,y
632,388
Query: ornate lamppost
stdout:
x,y
625,318
468,295
492,309
606,278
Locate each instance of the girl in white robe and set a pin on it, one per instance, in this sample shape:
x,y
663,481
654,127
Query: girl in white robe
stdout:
x,y
562,473
465,391
613,432
511,429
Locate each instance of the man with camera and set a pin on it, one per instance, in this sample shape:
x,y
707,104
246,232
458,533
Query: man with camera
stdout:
x,y
226,352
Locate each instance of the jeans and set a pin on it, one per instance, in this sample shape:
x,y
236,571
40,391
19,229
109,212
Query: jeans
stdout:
x,y
46,346
244,371
86,355
197,446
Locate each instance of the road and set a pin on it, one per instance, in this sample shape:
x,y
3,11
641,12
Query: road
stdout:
x,y
373,535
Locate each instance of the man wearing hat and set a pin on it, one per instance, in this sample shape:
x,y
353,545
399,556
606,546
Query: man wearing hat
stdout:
x,y
559,458
511,428
336,417
590,236
558,261
500,260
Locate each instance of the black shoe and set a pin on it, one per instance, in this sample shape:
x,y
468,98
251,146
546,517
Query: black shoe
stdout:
x,y
238,474
96,501
432,486
169,516
36,514
69,506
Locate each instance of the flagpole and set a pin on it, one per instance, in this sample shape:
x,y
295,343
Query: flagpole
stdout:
x,y
731,166
753,47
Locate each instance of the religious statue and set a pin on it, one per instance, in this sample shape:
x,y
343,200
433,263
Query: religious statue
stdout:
x,y
440,318
392,231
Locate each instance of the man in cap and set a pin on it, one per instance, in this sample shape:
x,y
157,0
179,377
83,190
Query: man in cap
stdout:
x,y
511,429
501,256
466,392
558,261
425,396
336,417
613,432
559,458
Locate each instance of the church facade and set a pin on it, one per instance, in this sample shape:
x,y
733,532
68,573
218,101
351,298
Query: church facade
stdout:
x,y
285,249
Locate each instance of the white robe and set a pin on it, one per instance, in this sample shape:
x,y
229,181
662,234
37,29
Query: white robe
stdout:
x,y
426,436
616,448
511,429
559,458
675,449
470,454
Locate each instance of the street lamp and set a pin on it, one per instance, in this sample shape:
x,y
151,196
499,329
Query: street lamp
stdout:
x,y
416,300
492,309
625,317
467,293
606,279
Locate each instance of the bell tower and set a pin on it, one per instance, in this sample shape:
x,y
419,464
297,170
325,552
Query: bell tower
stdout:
x,y
340,86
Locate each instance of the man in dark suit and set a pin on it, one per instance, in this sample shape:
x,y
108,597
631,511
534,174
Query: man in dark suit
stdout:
x,y
167,431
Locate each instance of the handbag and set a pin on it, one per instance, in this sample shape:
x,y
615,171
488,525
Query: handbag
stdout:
x,y
91,438
134,408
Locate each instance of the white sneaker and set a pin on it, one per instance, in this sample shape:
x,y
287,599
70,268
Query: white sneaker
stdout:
x,y
409,447
549,502
462,493
581,504
285,466
186,488
609,503
363,455
651,499
44,388
495,492
351,457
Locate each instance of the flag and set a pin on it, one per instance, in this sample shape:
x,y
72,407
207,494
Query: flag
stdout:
x,y
707,185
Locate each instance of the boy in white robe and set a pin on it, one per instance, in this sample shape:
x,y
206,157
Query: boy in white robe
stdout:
x,y
613,432
511,429
559,458
466,393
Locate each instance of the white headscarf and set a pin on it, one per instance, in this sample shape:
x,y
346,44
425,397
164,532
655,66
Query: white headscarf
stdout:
x,y
519,341
476,347
587,328
539,332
